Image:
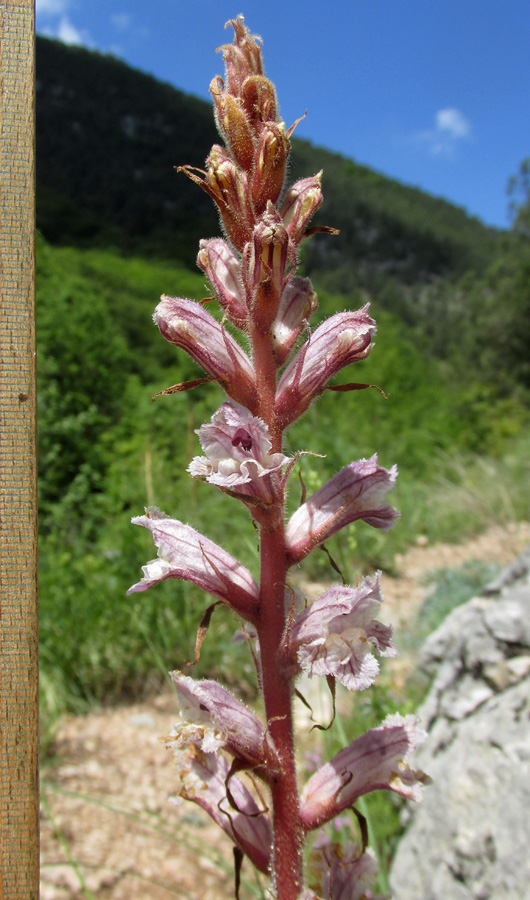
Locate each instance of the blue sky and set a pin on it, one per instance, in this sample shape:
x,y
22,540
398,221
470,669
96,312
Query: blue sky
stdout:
x,y
435,94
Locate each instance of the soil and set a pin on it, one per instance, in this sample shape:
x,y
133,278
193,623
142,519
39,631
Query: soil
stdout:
x,y
107,828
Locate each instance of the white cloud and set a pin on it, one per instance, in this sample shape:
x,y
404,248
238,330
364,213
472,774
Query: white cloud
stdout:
x,y
452,121
69,34
450,126
53,21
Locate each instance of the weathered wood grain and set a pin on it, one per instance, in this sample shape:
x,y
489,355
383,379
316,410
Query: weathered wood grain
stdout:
x,y
19,843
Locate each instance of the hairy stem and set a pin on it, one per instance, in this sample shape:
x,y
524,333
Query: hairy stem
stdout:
x,y
287,850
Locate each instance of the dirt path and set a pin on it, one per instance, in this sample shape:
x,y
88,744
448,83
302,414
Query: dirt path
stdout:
x,y
108,830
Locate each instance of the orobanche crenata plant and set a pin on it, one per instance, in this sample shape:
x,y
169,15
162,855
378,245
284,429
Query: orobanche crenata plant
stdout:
x,y
238,767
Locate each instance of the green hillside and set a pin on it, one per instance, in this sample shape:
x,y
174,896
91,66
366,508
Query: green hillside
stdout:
x,y
107,140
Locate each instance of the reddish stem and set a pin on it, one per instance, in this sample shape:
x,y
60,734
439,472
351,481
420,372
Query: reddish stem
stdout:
x,y
277,687
288,838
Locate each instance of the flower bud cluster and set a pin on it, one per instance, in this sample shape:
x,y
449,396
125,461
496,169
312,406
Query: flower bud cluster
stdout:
x,y
223,750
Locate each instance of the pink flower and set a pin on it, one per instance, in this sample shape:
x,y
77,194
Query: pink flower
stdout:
x,y
338,633
378,759
184,553
214,718
342,339
356,492
301,202
223,271
204,779
238,457
342,872
297,302
188,325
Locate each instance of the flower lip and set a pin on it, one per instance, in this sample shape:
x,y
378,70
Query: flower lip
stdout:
x,y
356,492
338,633
185,553
378,759
237,447
214,718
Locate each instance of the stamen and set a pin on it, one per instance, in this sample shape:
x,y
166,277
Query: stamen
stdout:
x,y
242,438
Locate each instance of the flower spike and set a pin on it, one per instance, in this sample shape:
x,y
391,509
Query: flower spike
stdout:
x,y
285,366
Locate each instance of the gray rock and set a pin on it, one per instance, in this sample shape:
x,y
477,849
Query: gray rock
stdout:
x,y
469,839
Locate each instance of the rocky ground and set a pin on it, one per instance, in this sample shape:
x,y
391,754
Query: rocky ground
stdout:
x,y
108,830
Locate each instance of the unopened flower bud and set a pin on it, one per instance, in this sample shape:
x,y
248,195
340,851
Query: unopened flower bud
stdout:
x,y
223,271
233,124
188,325
301,202
264,265
258,97
297,302
270,165
228,186
242,58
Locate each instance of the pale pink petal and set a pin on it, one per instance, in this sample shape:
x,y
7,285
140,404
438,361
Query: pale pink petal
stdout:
x,y
378,759
338,633
343,339
203,780
185,553
356,492
237,448
214,718
189,326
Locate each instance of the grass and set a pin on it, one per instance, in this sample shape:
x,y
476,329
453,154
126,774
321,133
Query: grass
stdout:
x,y
452,588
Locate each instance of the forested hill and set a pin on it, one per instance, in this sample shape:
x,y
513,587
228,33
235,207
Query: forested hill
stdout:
x,y
108,137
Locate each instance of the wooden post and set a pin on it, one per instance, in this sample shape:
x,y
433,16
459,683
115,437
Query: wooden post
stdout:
x,y
19,841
